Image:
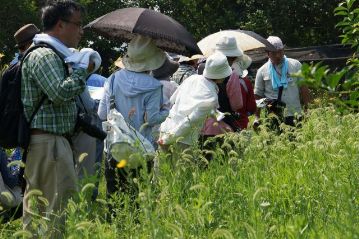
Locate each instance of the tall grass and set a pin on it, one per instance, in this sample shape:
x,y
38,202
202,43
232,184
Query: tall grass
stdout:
x,y
300,184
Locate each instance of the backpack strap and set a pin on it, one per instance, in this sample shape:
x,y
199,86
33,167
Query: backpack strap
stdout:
x,y
45,45
28,51
280,91
43,98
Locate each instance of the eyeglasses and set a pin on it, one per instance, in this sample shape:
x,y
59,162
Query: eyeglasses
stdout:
x,y
78,24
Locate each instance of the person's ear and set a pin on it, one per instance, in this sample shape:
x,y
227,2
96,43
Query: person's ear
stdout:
x,y
60,24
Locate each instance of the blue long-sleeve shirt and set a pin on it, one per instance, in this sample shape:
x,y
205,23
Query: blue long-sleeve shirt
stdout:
x,y
138,97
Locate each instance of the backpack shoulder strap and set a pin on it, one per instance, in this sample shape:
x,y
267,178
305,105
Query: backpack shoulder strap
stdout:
x,y
280,91
28,51
45,45
34,47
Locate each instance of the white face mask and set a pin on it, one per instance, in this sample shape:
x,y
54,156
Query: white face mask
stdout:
x,y
240,65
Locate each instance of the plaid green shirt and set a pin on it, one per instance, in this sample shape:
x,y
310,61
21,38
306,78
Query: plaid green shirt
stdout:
x,y
43,72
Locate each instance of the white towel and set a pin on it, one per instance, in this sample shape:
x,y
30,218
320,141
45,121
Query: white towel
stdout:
x,y
55,43
77,59
81,59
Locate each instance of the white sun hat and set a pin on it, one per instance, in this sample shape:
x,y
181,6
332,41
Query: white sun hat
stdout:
x,y
276,42
228,46
143,55
217,67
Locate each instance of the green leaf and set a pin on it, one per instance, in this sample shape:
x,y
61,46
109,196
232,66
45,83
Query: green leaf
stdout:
x,y
335,78
340,24
341,13
340,8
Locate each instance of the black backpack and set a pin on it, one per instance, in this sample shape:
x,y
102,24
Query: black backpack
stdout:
x,y
14,128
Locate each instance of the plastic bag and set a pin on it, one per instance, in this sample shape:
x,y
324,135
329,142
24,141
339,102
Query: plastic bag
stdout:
x,y
124,142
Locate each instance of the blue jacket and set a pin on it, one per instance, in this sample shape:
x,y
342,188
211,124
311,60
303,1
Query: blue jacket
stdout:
x,y
138,97
95,80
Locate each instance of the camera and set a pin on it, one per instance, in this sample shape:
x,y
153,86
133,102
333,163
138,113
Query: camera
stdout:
x,y
275,106
87,122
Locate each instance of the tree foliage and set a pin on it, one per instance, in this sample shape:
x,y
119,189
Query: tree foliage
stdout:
x,y
342,85
14,14
298,23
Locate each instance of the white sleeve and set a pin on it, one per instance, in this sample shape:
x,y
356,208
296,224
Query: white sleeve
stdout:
x,y
104,106
195,119
259,83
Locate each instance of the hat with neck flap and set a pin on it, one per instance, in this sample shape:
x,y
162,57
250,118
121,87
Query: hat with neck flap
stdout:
x,y
143,55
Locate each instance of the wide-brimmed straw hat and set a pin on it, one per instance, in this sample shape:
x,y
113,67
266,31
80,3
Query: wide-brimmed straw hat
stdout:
x,y
192,58
228,46
168,68
276,42
217,67
25,34
143,55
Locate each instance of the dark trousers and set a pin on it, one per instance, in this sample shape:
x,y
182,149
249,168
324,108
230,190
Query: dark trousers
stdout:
x,y
209,143
120,179
274,122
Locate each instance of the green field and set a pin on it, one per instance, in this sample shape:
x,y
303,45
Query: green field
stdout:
x,y
302,184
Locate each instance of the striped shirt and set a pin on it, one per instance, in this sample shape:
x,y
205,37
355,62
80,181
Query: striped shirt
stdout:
x,y
43,72
184,71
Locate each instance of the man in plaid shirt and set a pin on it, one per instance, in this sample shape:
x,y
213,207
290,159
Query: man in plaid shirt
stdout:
x,y
50,165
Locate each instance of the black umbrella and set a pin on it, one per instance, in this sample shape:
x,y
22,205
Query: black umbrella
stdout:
x,y
124,24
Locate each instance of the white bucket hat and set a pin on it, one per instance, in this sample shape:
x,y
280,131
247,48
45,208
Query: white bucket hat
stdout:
x,y
143,55
217,67
276,42
228,46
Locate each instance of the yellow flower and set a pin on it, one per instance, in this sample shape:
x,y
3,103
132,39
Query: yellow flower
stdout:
x,y
122,164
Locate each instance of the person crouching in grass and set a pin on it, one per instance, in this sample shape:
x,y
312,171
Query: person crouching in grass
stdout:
x,y
194,101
